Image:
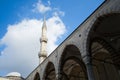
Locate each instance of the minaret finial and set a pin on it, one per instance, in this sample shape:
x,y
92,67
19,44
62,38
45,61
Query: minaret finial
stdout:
x,y
43,40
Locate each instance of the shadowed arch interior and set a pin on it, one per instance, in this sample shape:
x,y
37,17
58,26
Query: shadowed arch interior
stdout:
x,y
104,47
50,72
37,76
72,66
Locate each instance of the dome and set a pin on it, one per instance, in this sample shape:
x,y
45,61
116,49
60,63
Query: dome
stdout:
x,y
14,74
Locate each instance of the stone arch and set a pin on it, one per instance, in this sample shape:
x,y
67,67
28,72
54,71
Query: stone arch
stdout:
x,y
37,76
49,72
100,21
96,31
76,44
70,59
104,12
103,45
104,61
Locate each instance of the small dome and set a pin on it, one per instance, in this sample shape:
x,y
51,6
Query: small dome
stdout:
x,y
14,74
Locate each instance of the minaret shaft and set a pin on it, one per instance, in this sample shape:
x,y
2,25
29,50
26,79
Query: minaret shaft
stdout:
x,y
43,40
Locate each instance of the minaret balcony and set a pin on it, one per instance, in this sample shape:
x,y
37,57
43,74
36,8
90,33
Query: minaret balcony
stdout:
x,y
42,54
43,39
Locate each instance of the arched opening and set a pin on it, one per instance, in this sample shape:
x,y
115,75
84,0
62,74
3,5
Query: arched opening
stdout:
x,y
104,47
50,72
37,77
72,66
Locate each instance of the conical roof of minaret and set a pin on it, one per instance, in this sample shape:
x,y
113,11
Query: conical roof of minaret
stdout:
x,y
44,24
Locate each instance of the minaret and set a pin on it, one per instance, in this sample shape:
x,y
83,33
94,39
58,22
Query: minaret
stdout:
x,y
43,41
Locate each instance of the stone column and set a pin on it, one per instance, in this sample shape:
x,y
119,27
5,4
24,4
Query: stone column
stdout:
x,y
89,67
58,76
62,76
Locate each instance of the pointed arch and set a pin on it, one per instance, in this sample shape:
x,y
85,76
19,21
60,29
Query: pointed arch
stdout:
x,y
103,45
49,73
71,65
37,76
105,27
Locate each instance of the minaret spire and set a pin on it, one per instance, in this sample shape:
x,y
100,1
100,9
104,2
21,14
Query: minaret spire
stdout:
x,y
43,40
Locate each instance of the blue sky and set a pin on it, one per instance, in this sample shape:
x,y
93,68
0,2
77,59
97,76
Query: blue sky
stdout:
x,y
14,14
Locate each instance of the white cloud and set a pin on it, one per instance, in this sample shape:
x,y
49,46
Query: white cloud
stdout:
x,y
41,8
57,13
23,45
56,29
22,40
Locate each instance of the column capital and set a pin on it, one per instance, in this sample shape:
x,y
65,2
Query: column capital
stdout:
x,y
88,63
87,59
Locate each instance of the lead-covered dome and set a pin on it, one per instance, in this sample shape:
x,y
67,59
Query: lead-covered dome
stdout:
x,y
14,74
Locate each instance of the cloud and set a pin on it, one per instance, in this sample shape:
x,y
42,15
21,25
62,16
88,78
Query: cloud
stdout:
x,y
57,13
22,43
22,40
41,8
56,29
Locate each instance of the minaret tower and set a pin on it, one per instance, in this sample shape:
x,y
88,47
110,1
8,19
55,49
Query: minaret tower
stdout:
x,y
43,41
